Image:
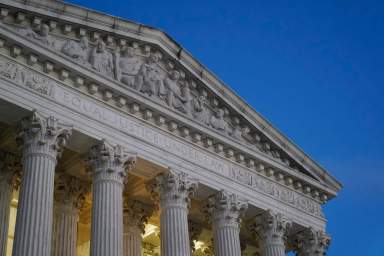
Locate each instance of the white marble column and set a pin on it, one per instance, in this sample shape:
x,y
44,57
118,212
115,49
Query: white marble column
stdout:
x,y
41,140
7,183
312,243
109,169
225,211
69,196
173,191
271,229
136,214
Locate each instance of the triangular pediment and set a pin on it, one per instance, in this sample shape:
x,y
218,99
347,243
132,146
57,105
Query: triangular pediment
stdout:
x,y
132,61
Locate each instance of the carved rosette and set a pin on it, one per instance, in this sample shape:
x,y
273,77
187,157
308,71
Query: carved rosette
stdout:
x,y
136,214
70,191
271,228
110,162
225,209
42,135
312,243
173,189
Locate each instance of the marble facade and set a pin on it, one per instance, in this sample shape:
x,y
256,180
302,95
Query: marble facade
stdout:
x,y
116,141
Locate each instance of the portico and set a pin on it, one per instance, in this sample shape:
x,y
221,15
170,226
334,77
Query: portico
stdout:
x,y
125,145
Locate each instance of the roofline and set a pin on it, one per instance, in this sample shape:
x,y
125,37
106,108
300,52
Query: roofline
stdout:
x,y
121,25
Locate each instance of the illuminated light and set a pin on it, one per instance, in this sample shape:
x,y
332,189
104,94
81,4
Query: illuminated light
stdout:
x,y
150,230
198,244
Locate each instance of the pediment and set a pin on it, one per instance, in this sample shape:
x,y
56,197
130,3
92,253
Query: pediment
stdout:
x,y
141,65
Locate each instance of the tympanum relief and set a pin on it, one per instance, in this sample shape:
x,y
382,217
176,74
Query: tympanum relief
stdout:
x,y
147,73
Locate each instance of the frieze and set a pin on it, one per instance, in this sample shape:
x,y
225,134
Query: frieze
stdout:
x,y
14,72
26,77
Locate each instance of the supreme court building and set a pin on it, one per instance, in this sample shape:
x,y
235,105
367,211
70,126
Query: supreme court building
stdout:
x,y
114,140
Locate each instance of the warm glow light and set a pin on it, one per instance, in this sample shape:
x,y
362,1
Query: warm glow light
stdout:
x,y
198,244
149,230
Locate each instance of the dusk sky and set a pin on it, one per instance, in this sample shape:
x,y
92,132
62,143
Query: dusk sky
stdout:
x,y
315,70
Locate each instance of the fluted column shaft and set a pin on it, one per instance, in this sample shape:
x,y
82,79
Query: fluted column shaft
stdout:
x,y
174,192
174,230
109,171
132,241
64,230
69,196
136,214
107,218
41,140
7,183
225,212
271,229
5,201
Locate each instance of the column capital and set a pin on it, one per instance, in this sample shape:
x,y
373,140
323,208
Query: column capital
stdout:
x,y
136,213
271,228
10,168
311,242
37,134
110,162
173,188
70,190
226,209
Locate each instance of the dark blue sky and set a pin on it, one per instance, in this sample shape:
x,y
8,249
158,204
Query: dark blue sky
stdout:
x,y
315,70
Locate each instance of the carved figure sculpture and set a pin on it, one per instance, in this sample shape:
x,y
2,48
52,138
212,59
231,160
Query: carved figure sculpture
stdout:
x,y
128,66
42,35
218,122
149,78
201,111
101,60
77,50
178,97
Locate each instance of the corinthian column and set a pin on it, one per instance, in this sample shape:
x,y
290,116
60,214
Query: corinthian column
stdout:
x,y
109,168
312,243
173,190
7,183
225,211
136,214
41,140
271,229
69,196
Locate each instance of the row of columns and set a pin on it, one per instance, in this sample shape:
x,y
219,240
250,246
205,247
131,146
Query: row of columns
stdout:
x,y
44,228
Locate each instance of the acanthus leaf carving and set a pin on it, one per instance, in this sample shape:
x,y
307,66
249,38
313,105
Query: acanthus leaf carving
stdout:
x,y
109,161
225,209
311,242
271,228
136,214
38,134
171,188
70,190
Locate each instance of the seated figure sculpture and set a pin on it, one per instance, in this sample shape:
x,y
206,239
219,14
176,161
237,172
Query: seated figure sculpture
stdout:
x,y
42,35
128,66
149,78
177,96
79,51
218,122
101,60
201,111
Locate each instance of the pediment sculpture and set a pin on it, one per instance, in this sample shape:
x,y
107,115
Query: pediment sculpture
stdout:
x,y
148,74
